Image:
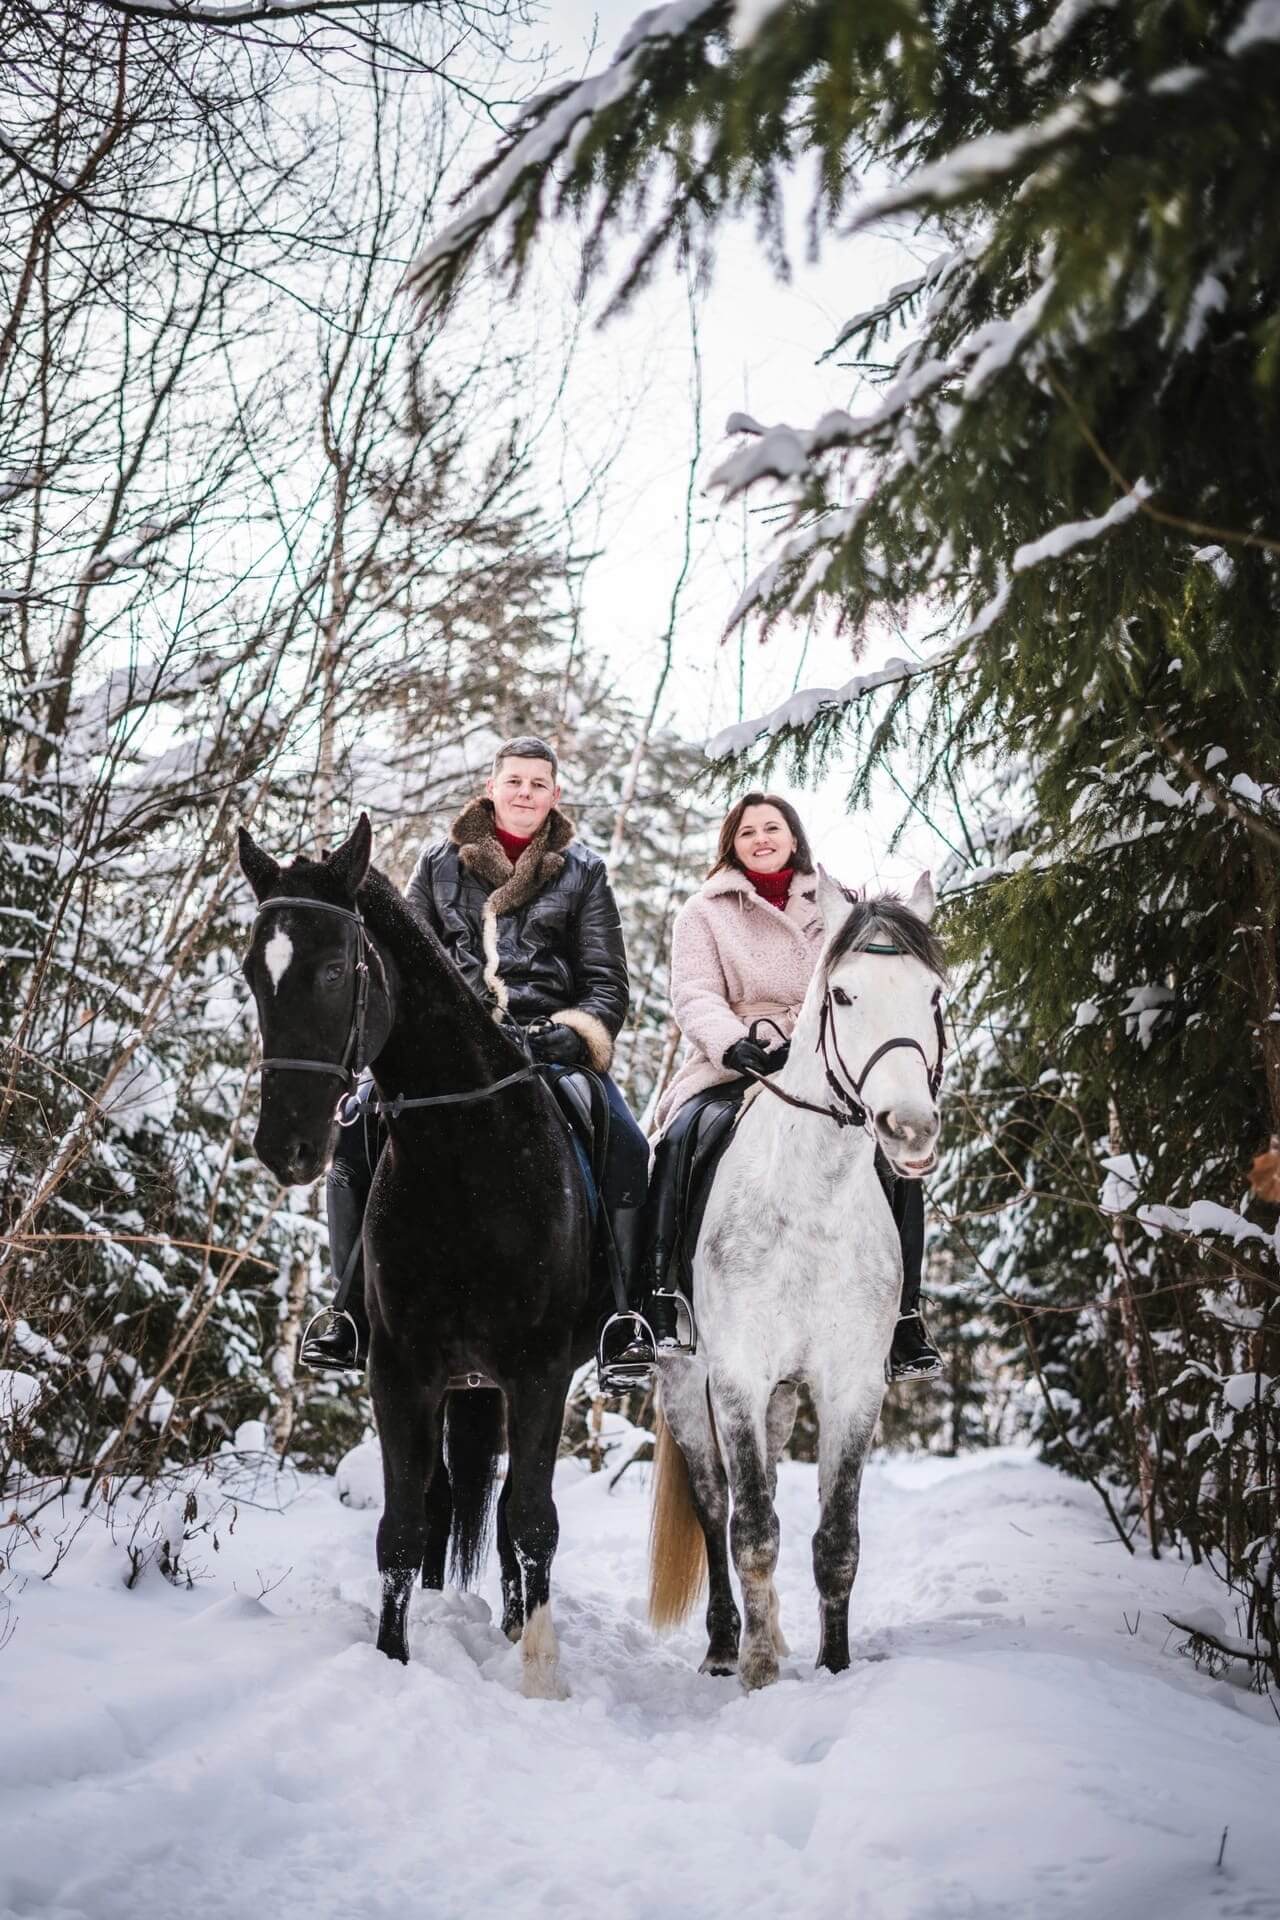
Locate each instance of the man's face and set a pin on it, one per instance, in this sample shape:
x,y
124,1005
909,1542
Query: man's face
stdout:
x,y
523,793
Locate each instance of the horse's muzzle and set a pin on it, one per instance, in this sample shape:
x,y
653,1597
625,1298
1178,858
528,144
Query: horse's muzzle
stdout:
x,y
909,1141
294,1158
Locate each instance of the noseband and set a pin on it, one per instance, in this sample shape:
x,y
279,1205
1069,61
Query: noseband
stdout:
x,y
352,1059
846,1086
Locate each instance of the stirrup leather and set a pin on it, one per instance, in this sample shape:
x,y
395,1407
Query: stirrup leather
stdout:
x,y
322,1363
622,1374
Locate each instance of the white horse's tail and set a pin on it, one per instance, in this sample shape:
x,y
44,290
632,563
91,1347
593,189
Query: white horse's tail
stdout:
x,y
677,1550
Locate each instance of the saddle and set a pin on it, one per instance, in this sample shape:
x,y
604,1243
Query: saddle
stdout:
x,y
684,1167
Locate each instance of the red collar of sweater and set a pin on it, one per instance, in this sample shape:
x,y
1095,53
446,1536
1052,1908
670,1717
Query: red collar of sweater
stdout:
x,y
513,844
773,887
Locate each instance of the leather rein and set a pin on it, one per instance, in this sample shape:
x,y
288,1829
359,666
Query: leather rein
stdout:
x,y
846,1087
348,1067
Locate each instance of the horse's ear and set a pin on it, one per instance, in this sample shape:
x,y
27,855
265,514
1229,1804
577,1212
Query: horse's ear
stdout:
x,y
923,902
260,870
833,903
349,863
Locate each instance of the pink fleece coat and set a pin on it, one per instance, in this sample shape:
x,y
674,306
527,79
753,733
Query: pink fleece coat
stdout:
x,y
735,958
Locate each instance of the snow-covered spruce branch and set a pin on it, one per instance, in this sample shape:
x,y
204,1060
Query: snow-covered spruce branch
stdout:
x,y
801,708
1163,516
552,127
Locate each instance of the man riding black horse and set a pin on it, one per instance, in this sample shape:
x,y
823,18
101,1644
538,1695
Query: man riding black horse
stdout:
x,y
527,915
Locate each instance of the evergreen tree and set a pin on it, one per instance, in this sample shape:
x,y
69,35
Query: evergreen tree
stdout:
x,y
1071,466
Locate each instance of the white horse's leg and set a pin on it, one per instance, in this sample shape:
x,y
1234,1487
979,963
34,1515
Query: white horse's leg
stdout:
x,y
740,1407
847,1424
780,1421
686,1411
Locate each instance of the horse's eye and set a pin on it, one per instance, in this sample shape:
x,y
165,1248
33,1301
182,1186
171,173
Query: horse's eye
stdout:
x,y
840,997
334,972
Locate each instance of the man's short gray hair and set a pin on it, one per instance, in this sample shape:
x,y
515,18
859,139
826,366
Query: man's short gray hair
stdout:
x,y
526,747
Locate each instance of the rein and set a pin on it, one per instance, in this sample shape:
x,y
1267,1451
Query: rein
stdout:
x,y
351,1062
846,1086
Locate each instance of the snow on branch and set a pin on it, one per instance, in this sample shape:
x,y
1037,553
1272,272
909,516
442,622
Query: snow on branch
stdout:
x,y
784,452
1203,1217
1260,24
991,158
1059,27
804,707
1078,533
550,124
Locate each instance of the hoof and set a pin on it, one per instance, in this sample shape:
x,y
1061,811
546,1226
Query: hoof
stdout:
x,y
394,1650
722,1666
758,1670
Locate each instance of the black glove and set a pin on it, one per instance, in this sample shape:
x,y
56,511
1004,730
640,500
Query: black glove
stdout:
x,y
746,1056
557,1044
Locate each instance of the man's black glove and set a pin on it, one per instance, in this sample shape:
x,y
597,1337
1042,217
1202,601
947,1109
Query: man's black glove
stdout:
x,y
557,1044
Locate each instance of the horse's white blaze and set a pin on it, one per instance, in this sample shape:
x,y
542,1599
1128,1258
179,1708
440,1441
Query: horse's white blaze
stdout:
x,y
277,954
540,1658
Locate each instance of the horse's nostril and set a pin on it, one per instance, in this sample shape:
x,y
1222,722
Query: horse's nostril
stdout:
x,y
887,1123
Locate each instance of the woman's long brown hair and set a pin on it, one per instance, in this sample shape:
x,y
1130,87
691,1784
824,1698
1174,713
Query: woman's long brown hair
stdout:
x,y
801,859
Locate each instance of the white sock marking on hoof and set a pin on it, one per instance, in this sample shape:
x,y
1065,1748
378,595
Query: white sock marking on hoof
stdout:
x,y
540,1658
779,1638
277,953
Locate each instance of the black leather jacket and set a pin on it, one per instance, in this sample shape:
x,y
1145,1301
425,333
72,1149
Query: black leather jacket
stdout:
x,y
555,937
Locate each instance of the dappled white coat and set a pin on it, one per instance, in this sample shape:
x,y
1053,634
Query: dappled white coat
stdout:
x,y
734,959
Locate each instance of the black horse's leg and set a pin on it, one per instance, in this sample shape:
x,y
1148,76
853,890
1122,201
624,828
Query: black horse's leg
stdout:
x,y
512,1578
438,1510
535,1412
408,1417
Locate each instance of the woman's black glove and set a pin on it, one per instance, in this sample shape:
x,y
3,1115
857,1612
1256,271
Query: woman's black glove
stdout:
x,y
749,1056
557,1044
746,1056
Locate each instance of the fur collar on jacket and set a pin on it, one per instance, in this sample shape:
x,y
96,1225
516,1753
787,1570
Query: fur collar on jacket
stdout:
x,y
482,853
731,880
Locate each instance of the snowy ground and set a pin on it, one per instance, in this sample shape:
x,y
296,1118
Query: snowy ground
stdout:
x,y
1004,1745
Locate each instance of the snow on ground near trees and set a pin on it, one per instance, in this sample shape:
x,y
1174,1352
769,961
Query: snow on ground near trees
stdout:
x,y
1003,1745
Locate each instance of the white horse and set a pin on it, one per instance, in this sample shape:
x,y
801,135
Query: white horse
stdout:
x,y
797,1278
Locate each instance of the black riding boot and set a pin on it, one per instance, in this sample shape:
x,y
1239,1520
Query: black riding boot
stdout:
x,y
913,1355
667,1310
342,1345
625,1356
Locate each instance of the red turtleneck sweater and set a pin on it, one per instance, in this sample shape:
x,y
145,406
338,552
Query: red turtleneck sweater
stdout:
x,y
513,844
772,887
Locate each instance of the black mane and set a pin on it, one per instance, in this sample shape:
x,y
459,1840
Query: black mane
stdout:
x,y
888,920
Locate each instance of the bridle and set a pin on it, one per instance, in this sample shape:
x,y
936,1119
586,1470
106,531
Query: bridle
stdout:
x,y
847,1086
348,1067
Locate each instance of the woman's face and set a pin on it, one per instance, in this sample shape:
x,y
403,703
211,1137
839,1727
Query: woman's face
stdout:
x,y
764,842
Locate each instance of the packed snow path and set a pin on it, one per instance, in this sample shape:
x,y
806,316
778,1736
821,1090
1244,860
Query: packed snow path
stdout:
x,y
1005,1745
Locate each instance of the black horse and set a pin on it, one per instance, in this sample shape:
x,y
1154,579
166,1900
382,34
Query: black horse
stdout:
x,y
477,1237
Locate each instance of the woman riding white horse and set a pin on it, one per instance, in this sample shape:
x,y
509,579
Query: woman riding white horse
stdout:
x,y
743,953
797,1278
